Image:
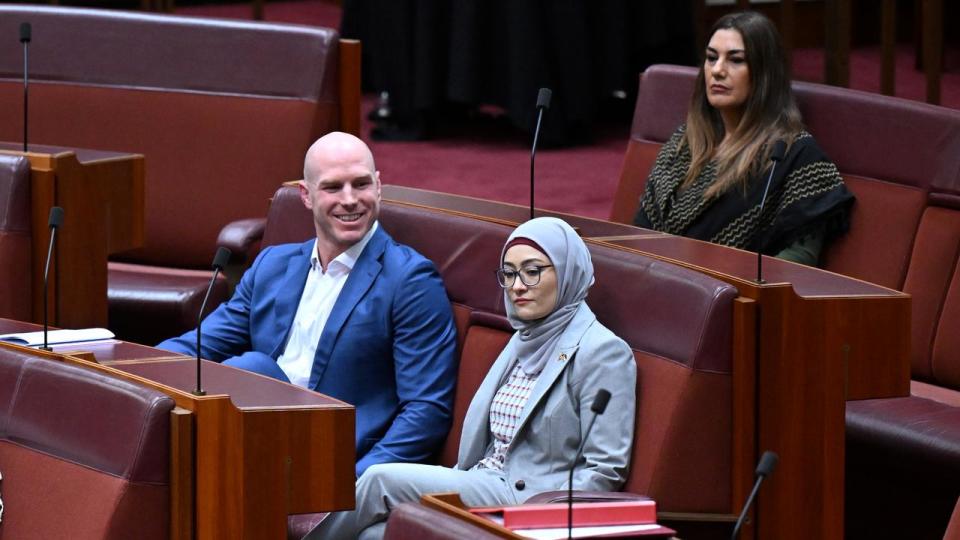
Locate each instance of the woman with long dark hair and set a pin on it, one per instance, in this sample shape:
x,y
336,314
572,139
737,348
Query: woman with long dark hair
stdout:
x,y
709,178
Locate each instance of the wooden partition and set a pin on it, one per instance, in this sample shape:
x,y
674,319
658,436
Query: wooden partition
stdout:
x,y
101,194
822,339
245,455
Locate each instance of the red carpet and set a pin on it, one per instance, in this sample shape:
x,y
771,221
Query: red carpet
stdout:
x,y
482,157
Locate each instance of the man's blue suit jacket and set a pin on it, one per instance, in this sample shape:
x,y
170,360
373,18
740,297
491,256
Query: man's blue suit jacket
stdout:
x,y
388,348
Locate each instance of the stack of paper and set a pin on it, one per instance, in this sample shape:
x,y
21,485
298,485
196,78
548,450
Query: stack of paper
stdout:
x,y
58,337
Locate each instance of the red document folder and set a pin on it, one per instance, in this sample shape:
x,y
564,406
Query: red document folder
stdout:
x,y
534,516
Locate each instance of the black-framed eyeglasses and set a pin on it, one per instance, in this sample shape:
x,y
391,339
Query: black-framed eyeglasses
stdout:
x,y
529,275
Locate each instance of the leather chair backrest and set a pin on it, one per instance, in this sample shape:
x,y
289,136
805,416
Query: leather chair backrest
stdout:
x,y
84,455
15,241
222,110
933,279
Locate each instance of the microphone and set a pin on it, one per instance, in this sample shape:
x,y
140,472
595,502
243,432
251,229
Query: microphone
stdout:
x,y
768,462
599,405
776,156
543,102
25,32
219,261
54,222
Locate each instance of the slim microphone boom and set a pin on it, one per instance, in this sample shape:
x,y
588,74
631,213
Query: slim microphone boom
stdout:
x,y
543,102
776,156
599,405
25,32
54,222
219,261
768,462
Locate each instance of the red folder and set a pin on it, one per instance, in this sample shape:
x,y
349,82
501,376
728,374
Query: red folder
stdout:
x,y
534,516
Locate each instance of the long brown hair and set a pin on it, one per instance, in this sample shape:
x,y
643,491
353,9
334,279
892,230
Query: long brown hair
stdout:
x,y
770,112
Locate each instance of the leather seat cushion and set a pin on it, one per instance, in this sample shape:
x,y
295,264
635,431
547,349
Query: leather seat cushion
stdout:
x,y
913,432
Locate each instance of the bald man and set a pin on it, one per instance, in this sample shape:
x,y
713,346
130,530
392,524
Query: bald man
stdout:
x,y
351,314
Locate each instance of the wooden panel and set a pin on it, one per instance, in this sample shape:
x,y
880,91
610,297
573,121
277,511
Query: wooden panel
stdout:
x,y
837,42
801,417
888,41
350,63
182,474
744,406
103,201
42,197
81,294
932,36
256,465
788,25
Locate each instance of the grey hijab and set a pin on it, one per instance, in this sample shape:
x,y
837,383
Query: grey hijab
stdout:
x,y
536,340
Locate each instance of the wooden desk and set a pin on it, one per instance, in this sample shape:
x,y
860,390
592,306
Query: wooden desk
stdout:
x,y
102,194
246,455
822,339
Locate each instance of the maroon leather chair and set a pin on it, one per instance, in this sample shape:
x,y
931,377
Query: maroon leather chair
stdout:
x,y
15,241
683,458
83,455
222,111
902,161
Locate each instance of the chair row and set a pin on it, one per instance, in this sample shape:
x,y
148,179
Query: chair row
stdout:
x,y
902,161
684,452
222,111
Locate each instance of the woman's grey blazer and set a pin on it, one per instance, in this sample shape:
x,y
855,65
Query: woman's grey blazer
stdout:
x,y
588,357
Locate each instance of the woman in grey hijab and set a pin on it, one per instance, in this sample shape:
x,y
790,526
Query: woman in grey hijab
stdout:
x,y
526,421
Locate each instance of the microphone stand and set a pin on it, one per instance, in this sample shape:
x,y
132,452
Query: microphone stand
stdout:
x,y
219,261
543,102
25,32
599,405
55,220
768,462
776,156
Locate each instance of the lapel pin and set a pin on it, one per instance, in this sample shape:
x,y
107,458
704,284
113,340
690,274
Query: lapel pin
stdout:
x,y
563,356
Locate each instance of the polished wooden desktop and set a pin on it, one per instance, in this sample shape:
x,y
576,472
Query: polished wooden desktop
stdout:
x,y
247,454
822,339
102,194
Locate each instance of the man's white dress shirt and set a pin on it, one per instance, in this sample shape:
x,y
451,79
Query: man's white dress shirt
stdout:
x,y
319,296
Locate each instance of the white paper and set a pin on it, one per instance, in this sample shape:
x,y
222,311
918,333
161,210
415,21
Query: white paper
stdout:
x,y
557,533
58,337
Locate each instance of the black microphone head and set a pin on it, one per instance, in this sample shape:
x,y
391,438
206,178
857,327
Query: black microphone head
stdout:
x,y
779,150
768,462
56,217
221,258
543,98
600,402
25,31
